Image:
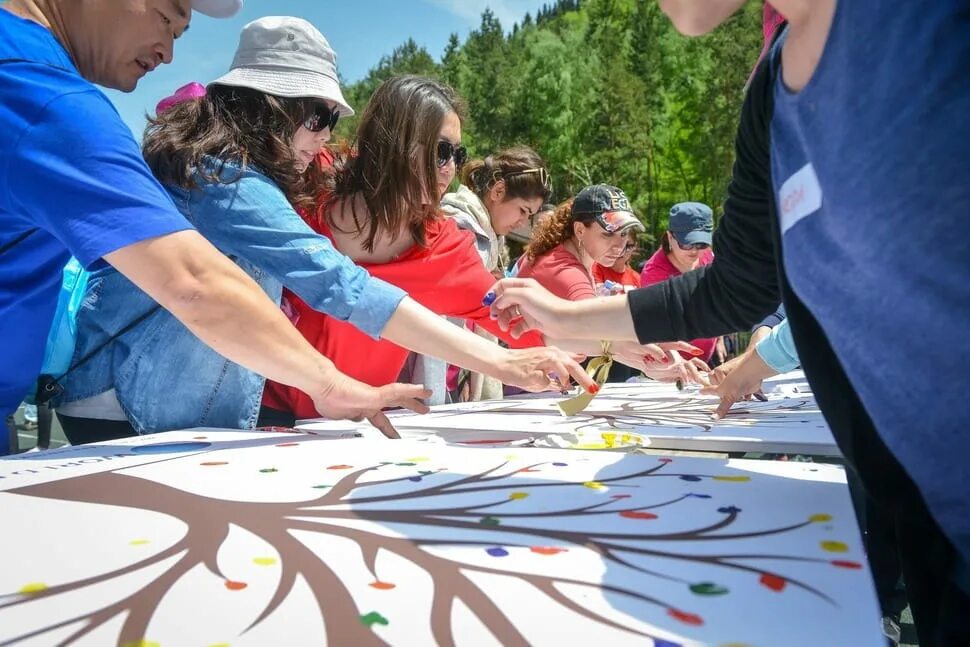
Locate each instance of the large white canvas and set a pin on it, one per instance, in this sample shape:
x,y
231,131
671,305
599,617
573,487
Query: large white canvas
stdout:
x,y
220,539
655,414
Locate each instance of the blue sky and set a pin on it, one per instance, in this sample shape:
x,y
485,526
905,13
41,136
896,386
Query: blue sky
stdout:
x,y
360,31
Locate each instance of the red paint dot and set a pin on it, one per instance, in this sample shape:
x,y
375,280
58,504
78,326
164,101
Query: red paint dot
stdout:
x,y
547,550
637,514
235,586
686,618
288,445
529,469
213,463
340,467
666,460
773,582
841,563
382,586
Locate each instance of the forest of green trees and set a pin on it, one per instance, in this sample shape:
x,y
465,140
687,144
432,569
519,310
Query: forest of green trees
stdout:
x,y
605,90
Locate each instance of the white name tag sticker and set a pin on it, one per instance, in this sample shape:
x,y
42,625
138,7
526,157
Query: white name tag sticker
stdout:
x,y
798,197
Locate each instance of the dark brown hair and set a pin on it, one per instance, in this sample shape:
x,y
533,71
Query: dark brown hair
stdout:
x,y
393,159
230,124
665,242
521,168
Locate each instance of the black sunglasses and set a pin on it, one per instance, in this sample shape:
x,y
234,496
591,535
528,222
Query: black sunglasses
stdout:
x,y
323,116
447,151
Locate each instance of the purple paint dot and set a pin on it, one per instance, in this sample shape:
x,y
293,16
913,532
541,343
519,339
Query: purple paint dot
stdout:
x,y
497,551
689,477
560,464
414,478
660,642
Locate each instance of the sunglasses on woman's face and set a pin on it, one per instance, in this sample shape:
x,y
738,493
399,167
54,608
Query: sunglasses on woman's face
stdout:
x,y
323,116
447,151
695,246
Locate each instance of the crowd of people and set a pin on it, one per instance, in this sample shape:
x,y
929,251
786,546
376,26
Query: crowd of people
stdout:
x,y
247,271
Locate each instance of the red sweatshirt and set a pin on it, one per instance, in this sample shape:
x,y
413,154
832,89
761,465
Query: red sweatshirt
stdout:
x,y
446,276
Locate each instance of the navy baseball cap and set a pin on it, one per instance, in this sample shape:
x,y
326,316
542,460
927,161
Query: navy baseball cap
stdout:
x,y
691,223
608,206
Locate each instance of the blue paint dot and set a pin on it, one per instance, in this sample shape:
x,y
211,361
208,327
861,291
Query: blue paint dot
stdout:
x,y
414,478
729,509
560,464
699,496
165,448
660,642
497,551
690,477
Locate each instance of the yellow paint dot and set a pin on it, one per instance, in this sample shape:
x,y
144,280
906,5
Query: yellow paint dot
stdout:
x,y
515,496
219,645
590,446
594,485
33,587
419,459
820,518
609,439
140,643
138,542
733,479
834,546
264,561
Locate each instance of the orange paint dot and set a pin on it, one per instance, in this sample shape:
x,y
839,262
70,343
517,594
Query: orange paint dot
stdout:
x,y
382,586
637,514
529,469
340,467
200,437
235,586
686,618
547,550
213,463
288,445
773,582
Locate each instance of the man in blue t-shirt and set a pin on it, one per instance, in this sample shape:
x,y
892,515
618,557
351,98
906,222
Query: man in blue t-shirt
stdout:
x,y
73,181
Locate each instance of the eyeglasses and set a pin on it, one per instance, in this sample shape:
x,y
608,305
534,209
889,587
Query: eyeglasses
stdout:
x,y
541,172
447,151
323,117
695,246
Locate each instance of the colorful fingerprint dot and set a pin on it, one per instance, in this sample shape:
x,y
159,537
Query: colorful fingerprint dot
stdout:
x,y
733,479
660,642
374,618
321,487
138,542
264,561
547,550
686,618
489,521
517,496
405,464
689,477
497,551
344,467
638,514
32,588
288,444
529,469
140,643
200,437
268,470
699,496
708,588
773,582
729,509
382,586
820,518
415,479
425,472
594,485
665,460
560,464
620,496
841,563
233,585
213,463
834,546
419,459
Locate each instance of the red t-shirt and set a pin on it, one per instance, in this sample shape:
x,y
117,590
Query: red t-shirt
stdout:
x,y
561,273
629,278
446,276
659,269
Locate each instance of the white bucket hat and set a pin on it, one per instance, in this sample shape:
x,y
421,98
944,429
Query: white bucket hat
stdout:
x,y
217,8
286,57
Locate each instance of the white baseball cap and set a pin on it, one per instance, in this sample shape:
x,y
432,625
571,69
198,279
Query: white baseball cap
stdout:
x,y
286,57
217,8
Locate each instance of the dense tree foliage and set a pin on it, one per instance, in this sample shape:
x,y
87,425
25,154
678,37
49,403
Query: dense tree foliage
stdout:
x,y
606,91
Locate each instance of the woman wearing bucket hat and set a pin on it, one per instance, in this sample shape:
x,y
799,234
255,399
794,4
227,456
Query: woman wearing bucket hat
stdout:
x,y
236,162
685,246
408,143
594,227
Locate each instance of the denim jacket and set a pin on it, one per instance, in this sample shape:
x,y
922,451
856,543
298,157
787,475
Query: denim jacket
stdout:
x,y
164,377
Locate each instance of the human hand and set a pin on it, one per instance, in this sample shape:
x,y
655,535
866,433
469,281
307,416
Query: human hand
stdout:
x,y
670,366
736,379
521,305
346,398
542,368
720,350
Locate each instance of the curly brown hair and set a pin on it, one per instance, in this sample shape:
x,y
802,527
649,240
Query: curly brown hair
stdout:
x,y
524,172
554,230
231,125
392,162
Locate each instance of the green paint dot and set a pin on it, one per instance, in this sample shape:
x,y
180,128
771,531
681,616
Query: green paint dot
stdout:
x,y
708,588
489,521
268,470
425,472
834,546
374,618
321,487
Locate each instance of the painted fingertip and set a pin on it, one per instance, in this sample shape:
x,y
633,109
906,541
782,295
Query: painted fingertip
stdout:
x,y
594,389
696,352
489,299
